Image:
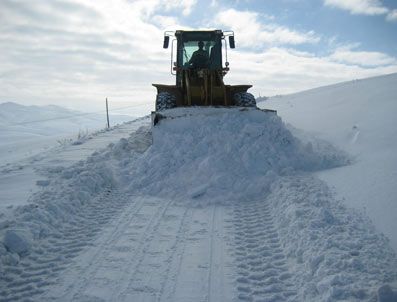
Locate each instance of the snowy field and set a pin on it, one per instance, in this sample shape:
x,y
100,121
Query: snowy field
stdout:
x,y
28,130
211,204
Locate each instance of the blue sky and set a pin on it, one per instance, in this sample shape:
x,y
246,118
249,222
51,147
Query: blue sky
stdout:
x,y
75,53
330,22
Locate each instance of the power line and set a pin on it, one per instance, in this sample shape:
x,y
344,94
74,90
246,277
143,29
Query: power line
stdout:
x,y
72,116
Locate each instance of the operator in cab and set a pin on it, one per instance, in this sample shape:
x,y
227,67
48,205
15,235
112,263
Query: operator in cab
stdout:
x,y
200,58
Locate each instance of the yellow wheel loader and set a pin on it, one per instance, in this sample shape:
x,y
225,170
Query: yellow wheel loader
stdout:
x,y
197,63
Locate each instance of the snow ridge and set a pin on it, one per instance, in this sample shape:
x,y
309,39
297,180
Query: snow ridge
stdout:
x,y
337,254
263,273
223,155
301,244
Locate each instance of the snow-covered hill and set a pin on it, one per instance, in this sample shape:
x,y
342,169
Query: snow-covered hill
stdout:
x,y
27,130
360,118
210,205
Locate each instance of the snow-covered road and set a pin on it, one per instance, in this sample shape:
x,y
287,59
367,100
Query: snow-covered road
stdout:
x,y
239,217
18,177
154,251
123,247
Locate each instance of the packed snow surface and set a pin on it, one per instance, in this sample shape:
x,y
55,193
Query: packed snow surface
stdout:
x,y
209,205
360,118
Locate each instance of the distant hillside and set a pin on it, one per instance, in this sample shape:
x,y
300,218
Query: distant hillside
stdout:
x,y
261,99
24,121
28,130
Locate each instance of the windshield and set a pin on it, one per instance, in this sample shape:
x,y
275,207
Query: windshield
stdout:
x,y
191,46
208,55
210,52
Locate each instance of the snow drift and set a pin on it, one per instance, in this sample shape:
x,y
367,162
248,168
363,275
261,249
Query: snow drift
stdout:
x,y
66,192
223,155
359,117
336,254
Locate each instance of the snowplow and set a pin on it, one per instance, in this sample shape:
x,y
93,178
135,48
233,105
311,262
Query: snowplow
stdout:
x,y
199,63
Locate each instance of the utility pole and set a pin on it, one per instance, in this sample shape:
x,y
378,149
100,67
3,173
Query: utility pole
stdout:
x,y
107,112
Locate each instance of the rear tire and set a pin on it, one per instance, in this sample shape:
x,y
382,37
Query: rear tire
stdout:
x,y
165,100
244,99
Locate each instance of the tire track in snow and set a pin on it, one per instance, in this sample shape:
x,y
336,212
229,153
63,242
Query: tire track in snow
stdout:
x,y
167,292
210,271
131,268
261,264
204,267
37,271
179,257
175,259
116,253
151,275
154,250
192,279
221,266
87,271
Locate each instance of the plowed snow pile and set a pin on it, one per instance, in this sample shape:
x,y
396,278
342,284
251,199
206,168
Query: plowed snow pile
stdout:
x,y
222,155
335,254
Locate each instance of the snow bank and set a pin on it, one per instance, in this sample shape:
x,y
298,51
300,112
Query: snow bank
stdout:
x,y
335,254
65,192
359,117
68,189
221,155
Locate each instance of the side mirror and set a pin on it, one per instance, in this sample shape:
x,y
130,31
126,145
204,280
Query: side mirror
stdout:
x,y
231,42
166,41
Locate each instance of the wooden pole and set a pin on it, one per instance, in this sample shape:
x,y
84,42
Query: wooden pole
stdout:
x,y
107,112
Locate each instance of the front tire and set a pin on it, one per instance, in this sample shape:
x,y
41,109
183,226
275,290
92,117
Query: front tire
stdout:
x,y
244,99
165,100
